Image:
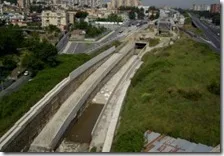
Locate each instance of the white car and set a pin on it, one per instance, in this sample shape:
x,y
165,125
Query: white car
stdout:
x,y
26,73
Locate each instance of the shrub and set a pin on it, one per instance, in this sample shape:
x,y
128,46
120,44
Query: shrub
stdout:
x,y
93,149
214,88
131,141
153,42
190,94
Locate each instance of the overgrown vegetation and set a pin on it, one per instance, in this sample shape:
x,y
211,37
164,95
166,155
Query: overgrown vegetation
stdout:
x,y
93,149
134,12
18,50
111,18
154,13
91,31
12,107
153,42
188,25
176,94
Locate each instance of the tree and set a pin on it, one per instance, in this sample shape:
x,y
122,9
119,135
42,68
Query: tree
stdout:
x,y
152,8
9,63
141,13
26,58
52,28
10,40
81,14
36,8
132,15
216,19
2,22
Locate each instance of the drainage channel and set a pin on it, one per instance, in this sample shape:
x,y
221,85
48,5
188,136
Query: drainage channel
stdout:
x,y
78,135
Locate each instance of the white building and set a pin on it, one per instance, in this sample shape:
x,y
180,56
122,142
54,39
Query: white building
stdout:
x,y
90,3
58,18
201,7
128,3
146,9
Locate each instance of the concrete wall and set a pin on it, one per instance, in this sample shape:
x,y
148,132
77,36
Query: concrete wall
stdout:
x,y
49,137
22,134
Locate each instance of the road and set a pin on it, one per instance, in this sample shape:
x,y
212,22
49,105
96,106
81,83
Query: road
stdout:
x,y
83,47
15,86
210,33
76,47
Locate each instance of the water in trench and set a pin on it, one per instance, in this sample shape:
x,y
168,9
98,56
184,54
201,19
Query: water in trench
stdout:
x,y
78,135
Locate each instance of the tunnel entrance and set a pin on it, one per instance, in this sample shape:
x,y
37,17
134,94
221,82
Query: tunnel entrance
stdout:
x,y
140,45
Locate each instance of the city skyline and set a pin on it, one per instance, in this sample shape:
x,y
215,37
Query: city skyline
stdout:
x,y
176,3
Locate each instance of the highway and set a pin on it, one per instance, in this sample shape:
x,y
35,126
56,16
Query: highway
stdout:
x,y
210,33
77,47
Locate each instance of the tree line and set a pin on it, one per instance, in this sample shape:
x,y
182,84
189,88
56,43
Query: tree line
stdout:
x,y
27,51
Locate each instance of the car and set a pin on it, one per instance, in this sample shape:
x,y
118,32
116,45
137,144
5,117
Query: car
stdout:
x,y
26,73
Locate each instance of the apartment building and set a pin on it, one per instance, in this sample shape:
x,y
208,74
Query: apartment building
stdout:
x,y
23,3
58,18
215,8
115,4
201,7
89,3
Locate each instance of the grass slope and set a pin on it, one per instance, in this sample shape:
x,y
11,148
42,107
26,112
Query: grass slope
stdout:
x,y
175,92
12,107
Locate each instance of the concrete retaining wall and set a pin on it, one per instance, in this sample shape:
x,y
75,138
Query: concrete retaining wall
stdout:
x,y
48,139
129,48
115,117
20,136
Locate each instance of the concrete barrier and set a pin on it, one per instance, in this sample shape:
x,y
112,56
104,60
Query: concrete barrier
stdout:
x,y
49,137
52,132
91,63
19,137
115,117
98,136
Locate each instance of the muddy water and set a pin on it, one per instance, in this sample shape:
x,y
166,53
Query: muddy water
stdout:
x,y
80,130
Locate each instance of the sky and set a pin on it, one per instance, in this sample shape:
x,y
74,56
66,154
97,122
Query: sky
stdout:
x,y
176,3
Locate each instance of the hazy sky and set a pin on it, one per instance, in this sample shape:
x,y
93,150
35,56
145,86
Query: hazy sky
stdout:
x,y
176,3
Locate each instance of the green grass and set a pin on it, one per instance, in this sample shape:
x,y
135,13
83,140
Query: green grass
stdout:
x,y
176,92
188,25
12,107
153,42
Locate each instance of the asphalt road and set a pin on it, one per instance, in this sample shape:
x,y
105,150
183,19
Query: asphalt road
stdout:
x,y
15,86
86,47
83,47
210,33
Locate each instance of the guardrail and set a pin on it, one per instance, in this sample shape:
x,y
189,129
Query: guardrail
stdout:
x,y
63,42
